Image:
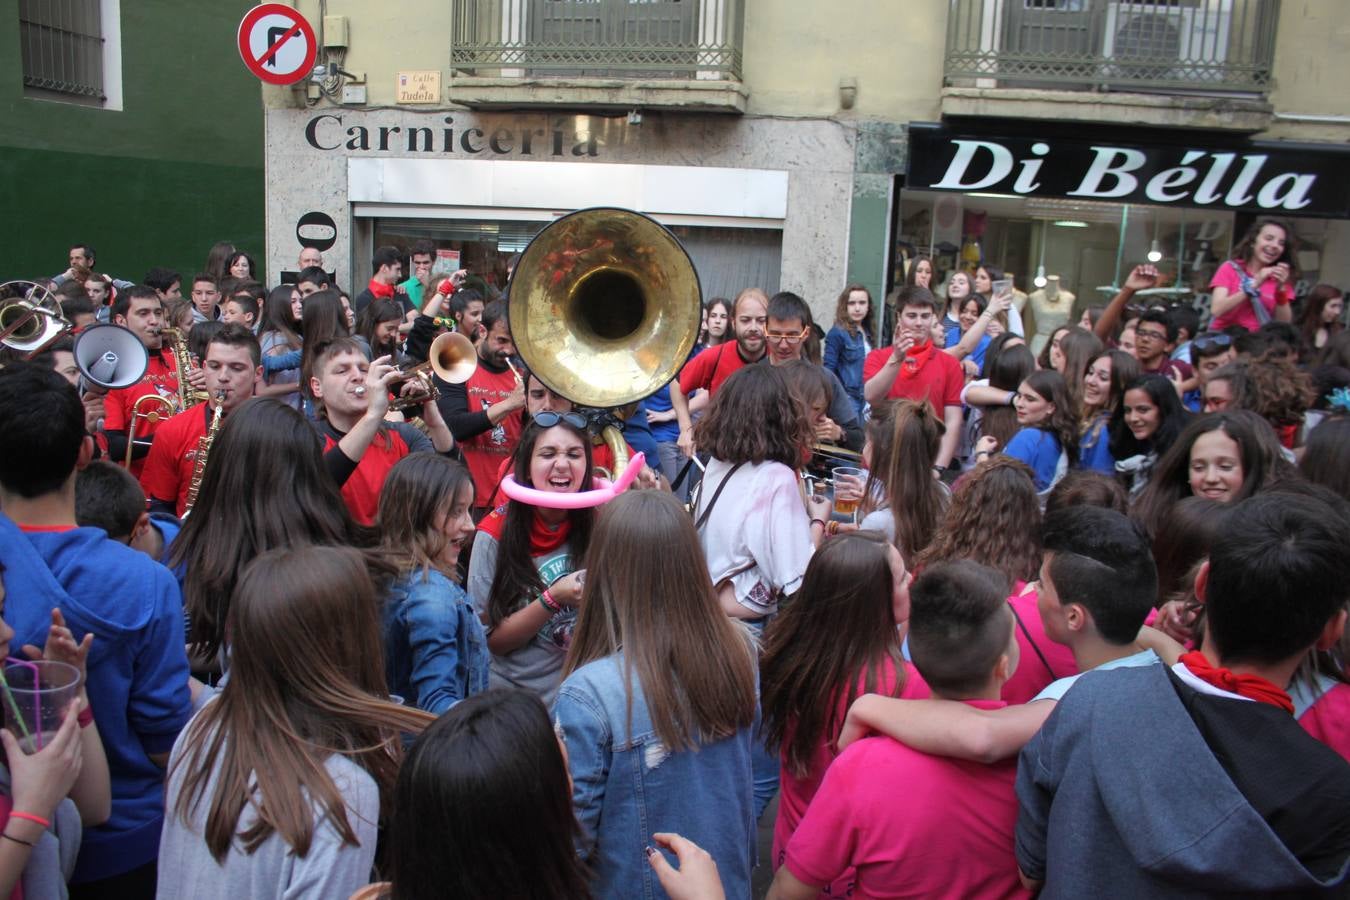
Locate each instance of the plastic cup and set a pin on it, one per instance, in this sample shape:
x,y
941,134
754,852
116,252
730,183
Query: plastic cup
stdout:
x,y
848,507
37,697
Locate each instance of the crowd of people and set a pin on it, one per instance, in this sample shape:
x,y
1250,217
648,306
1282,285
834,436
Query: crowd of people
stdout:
x,y
1085,632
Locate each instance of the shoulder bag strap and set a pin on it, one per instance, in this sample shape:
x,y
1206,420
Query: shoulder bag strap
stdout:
x,y
707,510
1027,634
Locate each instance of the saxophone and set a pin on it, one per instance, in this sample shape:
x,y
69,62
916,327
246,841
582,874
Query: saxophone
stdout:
x,y
203,450
187,398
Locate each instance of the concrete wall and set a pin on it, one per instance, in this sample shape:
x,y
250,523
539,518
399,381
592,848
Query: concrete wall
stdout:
x,y
1312,69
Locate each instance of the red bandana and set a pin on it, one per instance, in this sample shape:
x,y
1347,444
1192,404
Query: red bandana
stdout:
x,y
542,538
916,358
1253,687
380,291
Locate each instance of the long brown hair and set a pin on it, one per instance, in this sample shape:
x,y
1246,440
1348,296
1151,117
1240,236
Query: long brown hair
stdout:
x,y
1311,318
265,488
694,666
516,579
994,519
306,682
1080,347
418,491
905,438
1062,423
830,646
841,310
754,418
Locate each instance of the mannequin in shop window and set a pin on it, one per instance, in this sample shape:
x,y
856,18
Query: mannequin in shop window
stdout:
x,y
1051,307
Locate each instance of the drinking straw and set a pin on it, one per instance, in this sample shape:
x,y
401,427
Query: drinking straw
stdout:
x,y
9,695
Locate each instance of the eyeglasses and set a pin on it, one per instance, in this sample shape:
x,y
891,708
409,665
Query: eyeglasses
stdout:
x,y
1217,341
548,418
1142,335
792,337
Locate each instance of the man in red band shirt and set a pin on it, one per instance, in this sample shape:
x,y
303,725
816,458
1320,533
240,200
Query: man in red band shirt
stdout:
x,y
914,368
707,371
360,447
233,369
141,311
484,412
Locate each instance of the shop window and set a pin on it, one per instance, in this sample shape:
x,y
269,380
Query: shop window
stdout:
x,y
71,51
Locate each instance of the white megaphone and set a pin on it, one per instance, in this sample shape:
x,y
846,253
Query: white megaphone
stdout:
x,y
110,356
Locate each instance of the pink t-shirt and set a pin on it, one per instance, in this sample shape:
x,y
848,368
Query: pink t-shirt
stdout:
x,y
796,793
1328,719
1271,292
911,825
1031,675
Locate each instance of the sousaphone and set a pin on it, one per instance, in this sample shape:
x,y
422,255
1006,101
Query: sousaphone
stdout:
x,y
605,308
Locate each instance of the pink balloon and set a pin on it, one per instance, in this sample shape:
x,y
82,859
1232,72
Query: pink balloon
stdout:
x,y
602,493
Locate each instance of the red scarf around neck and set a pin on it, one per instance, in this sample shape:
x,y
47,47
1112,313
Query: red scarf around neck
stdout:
x,y
542,538
379,290
1253,687
916,358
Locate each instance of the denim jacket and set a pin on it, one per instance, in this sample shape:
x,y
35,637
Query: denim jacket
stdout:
x,y
844,355
627,785
435,649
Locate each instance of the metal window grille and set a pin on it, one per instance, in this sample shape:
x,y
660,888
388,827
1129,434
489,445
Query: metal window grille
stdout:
x,y
61,43
1219,46
677,39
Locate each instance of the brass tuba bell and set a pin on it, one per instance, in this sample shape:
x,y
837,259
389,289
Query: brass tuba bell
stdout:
x,y
30,317
605,308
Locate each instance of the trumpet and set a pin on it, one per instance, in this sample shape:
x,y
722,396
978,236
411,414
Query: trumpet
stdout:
x,y
452,358
163,408
30,318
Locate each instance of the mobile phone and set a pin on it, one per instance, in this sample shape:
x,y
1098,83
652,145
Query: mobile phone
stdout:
x,y
1002,288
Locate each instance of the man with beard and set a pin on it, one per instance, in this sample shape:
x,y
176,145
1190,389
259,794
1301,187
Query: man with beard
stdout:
x,y
483,413
707,371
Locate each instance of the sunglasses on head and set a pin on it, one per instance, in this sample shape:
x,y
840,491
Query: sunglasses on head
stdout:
x,y
1207,342
548,418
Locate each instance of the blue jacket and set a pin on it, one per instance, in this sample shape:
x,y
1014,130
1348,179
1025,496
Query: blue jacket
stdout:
x,y
844,354
627,785
137,668
1040,450
1094,448
435,649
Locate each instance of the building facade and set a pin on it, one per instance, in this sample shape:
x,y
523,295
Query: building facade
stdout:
x,y
131,126
804,147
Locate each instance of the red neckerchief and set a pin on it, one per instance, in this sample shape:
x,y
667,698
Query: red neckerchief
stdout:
x,y
542,538
916,358
1253,687
380,291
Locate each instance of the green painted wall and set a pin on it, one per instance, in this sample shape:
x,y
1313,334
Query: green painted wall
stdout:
x,y
180,167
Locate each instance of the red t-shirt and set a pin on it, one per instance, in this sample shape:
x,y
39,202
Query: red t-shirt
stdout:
x,y
1031,676
483,453
939,381
711,367
797,792
173,456
160,378
911,825
361,490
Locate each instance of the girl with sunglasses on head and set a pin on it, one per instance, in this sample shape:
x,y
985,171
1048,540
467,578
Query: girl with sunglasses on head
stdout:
x,y
524,574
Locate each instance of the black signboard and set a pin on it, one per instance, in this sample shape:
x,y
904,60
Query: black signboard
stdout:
x,y
1253,176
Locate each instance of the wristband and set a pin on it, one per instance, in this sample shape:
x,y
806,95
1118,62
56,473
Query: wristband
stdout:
x,y
446,287
820,522
85,718
11,837
546,598
1012,398
20,814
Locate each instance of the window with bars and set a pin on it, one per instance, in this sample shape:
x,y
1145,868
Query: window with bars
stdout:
x,y
61,44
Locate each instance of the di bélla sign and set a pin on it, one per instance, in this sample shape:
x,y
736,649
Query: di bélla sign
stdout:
x,y
1256,177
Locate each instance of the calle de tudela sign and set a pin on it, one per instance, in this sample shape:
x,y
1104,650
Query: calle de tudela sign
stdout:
x,y
1267,177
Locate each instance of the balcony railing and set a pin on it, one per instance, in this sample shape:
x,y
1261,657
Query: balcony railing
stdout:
x,y
630,39
1205,46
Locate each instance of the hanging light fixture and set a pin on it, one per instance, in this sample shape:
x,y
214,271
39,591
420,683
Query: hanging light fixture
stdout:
x,y
1155,249
1040,280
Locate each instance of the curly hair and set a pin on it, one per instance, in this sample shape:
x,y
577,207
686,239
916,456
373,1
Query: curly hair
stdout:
x,y
754,418
1274,388
1246,247
994,518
